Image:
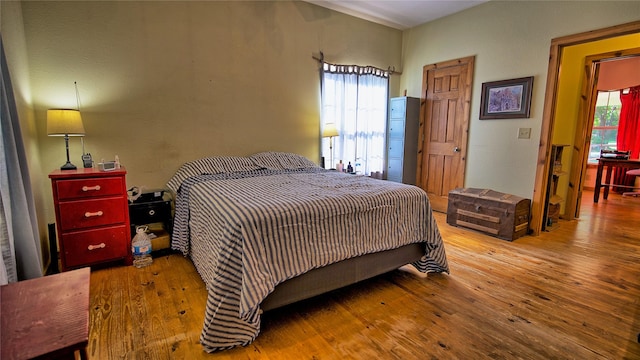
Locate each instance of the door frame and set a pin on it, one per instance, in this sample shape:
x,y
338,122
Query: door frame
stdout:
x,y
548,116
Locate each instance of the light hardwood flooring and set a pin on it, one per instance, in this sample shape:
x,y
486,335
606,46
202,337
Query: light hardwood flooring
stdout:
x,y
572,293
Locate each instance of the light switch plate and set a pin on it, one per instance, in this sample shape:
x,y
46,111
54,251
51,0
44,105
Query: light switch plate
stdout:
x,y
524,133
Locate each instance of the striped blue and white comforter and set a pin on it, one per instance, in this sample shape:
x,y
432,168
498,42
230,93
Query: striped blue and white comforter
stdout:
x,y
247,232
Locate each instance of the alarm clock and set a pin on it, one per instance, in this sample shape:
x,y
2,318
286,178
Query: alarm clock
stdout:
x,y
107,166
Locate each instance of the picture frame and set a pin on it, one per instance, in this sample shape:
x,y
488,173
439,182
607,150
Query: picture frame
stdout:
x,y
506,99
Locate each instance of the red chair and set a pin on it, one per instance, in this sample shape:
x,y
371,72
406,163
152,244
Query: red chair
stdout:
x,y
634,172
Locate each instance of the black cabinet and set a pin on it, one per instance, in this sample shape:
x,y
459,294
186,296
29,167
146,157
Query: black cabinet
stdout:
x,y
145,213
156,213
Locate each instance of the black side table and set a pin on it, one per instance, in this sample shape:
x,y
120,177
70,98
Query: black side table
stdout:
x,y
149,209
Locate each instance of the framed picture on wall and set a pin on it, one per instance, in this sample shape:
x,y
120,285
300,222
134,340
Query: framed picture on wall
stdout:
x,y
506,99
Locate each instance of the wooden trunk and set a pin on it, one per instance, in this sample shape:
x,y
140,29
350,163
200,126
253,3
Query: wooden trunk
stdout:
x,y
498,214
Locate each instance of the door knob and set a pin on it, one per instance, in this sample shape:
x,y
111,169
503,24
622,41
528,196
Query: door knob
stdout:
x,y
456,149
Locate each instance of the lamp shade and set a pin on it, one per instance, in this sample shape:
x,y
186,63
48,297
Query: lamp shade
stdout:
x,y
329,130
61,122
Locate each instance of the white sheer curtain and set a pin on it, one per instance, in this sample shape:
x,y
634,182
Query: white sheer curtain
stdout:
x,y
19,237
355,99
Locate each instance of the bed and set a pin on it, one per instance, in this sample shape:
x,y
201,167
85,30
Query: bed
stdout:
x,y
273,228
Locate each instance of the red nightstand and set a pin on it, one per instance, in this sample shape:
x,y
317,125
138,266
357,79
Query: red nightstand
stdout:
x,y
92,216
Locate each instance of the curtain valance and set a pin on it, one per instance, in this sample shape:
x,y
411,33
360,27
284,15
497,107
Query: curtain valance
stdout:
x,y
354,69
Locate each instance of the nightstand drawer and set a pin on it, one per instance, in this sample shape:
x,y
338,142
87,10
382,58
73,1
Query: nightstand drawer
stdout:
x,y
83,188
149,212
94,246
90,213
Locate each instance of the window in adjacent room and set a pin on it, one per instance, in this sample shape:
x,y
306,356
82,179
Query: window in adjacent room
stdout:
x,y
354,98
605,124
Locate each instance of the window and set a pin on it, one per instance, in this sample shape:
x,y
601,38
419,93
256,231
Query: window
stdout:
x,y
355,99
605,124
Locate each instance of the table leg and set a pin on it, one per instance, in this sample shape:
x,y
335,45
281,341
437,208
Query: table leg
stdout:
x,y
607,180
596,190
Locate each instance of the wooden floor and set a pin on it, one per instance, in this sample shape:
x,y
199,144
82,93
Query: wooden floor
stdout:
x,y
572,293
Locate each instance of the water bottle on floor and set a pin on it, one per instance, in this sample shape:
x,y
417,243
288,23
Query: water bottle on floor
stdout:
x,y
141,248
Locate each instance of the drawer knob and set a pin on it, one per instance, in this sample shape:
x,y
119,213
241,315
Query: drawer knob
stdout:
x,y
89,188
99,246
91,214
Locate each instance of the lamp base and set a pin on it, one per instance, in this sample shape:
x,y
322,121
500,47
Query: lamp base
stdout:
x,y
68,166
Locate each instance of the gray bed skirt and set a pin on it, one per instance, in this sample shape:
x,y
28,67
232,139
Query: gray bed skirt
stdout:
x,y
340,274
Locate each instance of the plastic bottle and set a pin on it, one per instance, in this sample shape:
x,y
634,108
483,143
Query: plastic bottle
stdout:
x,y
141,248
340,166
350,168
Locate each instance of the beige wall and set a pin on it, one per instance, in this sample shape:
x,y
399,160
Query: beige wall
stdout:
x,y
15,47
510,39
162,83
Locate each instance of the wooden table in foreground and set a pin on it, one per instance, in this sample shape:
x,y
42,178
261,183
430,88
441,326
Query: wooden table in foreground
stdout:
x,y
47,317
610,164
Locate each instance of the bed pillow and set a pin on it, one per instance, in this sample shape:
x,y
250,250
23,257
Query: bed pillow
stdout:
x,y
281,161
210,165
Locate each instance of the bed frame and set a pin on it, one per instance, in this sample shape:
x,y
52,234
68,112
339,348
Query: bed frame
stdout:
x,y
346,272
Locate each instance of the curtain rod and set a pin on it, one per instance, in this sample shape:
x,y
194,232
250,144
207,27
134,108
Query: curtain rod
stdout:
x,y
390,70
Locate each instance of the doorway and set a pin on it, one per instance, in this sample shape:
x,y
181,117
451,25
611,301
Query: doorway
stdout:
x,y
444,127
585,125
548,120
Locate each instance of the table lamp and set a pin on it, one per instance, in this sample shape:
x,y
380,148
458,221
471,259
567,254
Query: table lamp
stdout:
x,y
65,122
330,131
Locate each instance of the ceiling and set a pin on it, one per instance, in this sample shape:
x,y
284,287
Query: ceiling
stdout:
x,y
398,14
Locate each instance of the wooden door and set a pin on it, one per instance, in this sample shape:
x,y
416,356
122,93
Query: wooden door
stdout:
x,y
444,125
582,140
